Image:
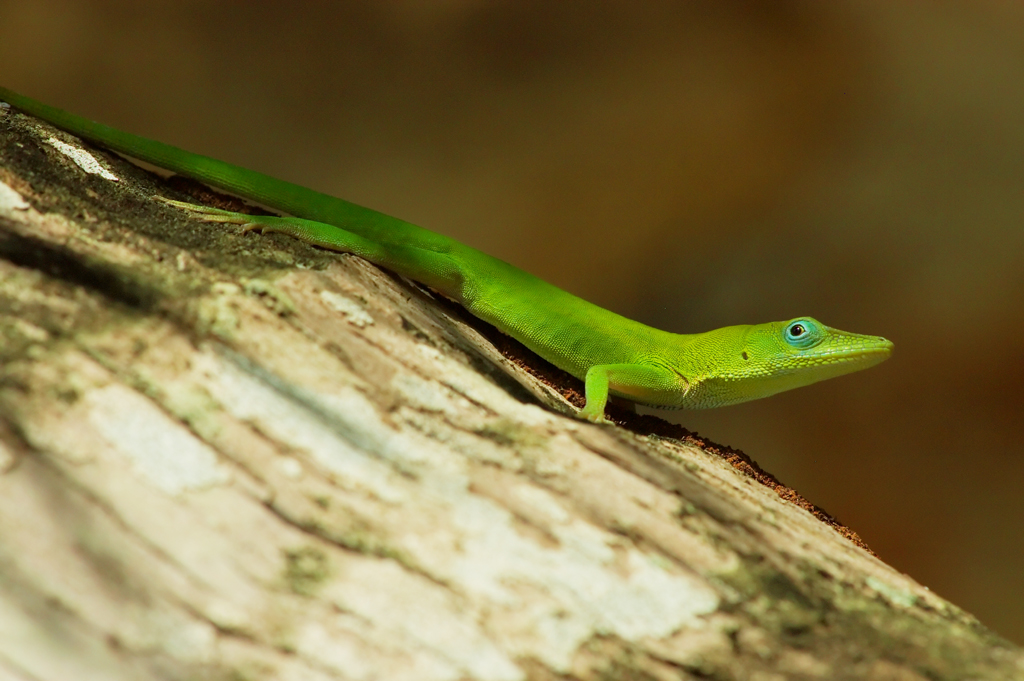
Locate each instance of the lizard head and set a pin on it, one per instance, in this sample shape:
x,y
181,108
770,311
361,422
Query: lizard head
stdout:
x,y
764,359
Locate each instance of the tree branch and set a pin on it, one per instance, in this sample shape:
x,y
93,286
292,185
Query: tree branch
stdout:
x,y
225,455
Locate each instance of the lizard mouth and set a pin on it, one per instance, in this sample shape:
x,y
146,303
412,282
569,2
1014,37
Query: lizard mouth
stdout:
x,y
842,352
845,360
850,357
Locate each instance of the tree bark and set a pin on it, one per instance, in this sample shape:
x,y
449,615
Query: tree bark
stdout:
x,y
241,457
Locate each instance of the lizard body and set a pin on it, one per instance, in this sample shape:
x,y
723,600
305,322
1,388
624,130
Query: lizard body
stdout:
x,y
610,353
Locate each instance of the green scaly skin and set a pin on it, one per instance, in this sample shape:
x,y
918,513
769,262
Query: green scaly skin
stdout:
x,y
612,354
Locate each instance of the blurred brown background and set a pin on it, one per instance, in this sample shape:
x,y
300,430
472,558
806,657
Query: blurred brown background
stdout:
x,y
691,165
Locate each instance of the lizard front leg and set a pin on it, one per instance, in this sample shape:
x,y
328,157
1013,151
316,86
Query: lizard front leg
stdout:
x,y
644,383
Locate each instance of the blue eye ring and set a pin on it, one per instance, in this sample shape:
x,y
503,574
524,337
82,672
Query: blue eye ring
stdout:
x,y
802,333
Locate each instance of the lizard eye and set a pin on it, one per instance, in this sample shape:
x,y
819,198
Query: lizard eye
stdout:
x,y
802,333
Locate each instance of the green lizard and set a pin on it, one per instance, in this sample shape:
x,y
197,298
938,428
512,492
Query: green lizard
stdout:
x,y
610,353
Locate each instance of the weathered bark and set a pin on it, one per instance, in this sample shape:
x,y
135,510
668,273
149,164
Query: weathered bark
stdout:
x,y
233,456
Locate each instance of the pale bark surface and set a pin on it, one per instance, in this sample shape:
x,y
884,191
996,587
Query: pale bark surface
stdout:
x,y
227,456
